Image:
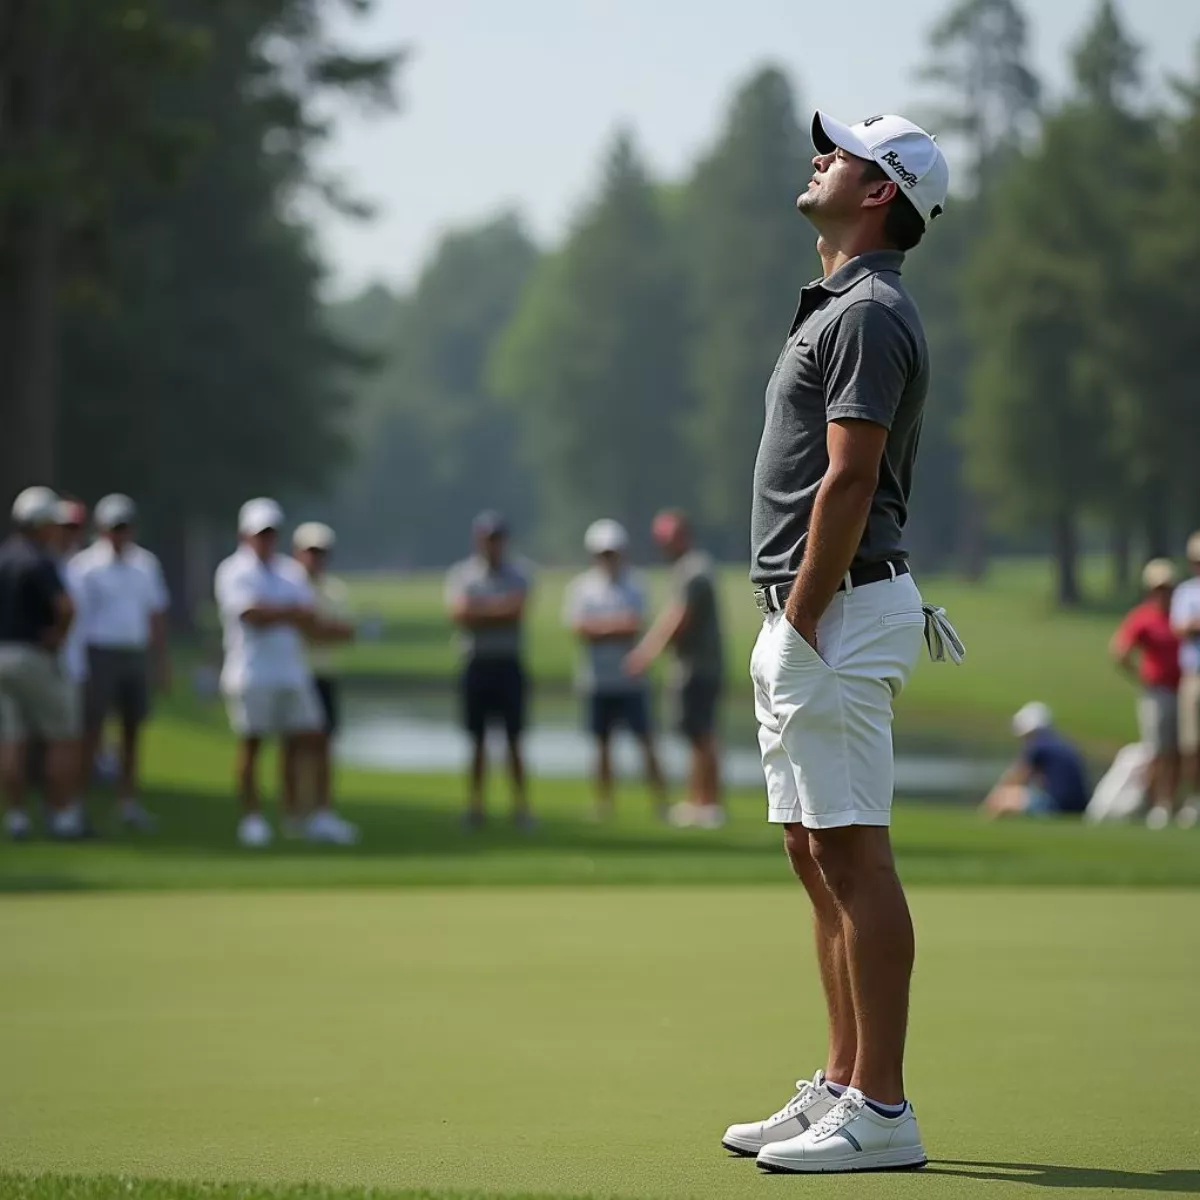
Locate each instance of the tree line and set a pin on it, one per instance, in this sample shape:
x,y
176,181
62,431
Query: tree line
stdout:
x,y
624,368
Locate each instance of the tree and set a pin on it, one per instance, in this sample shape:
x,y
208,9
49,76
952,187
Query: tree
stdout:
x,y
78,84
978,59
594,363
747,253
434,441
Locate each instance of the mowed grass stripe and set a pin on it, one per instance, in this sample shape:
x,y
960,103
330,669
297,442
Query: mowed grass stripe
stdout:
x,y
571,1042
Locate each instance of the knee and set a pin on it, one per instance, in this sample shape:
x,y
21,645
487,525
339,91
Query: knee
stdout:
x,y
850,858
799,852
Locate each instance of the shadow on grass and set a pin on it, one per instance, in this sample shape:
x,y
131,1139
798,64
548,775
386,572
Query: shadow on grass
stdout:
x,y
1048,1175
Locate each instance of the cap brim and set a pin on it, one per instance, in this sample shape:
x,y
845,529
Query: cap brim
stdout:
x,y
828,134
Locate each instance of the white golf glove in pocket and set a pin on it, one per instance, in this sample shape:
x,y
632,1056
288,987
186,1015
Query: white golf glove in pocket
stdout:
x,y
940,636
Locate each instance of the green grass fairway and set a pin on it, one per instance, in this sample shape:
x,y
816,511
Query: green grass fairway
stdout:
x,y
575,1042
1020,648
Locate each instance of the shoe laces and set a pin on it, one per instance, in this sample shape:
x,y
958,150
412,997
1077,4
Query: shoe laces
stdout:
x,y
806,1093
848,1106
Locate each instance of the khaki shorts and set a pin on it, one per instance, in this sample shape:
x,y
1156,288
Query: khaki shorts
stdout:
x,y
825,720
35,698
1189,714
272,711
1158,719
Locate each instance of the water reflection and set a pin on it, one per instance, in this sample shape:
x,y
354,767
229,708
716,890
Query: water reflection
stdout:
x,y
421,734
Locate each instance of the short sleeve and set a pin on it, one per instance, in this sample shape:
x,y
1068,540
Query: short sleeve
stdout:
x,y
338,596
573,602
1181,607
456,587
235,592
160,597
867,357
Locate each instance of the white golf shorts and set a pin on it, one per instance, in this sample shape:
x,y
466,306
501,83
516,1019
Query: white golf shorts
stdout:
x,y
274,711
825,719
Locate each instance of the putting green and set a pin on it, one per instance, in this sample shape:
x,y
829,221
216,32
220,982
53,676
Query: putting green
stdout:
x,y
571,1042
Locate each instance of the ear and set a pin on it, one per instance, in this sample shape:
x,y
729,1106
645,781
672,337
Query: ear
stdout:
x,y
883,192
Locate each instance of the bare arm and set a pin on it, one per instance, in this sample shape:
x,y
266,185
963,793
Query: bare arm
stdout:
x,y
602,629
1122,654
671,622
64,614
843,503
159,649
261,615
483,611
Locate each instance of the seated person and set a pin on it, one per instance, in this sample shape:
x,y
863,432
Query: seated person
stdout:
x,y
1048,777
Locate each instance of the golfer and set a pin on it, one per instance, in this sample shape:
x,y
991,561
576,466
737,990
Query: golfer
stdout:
x,y
842,627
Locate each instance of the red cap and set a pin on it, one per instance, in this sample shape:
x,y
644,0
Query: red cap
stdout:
x,y
667,525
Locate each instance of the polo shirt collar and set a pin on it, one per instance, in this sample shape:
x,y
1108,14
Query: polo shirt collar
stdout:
x,y
857,269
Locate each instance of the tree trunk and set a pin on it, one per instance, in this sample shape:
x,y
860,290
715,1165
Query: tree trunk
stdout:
x,y
1121,549
1157,528
972,537
1066,558
29,237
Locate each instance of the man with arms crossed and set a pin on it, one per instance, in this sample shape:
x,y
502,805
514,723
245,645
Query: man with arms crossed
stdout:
x,y
1185,621
266,605
123,605
842,628
35,614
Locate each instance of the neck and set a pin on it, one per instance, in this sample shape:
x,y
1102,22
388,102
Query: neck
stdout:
x,y
838,247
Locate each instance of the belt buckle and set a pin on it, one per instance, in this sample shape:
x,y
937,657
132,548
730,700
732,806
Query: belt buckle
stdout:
x,y
761,602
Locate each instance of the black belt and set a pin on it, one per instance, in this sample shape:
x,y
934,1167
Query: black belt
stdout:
x,y
773,598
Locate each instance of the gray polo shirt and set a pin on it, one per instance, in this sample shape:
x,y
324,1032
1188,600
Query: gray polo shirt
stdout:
x,y
856,350
698,649
474,579
596,594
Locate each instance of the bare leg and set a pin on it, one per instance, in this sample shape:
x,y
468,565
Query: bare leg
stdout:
x,y
298,757
654,776
128,779
12,766
322,771
1168,779
857,866
1004,799
475,799
831,957
247,774
604,775
516,773
706,770
61,769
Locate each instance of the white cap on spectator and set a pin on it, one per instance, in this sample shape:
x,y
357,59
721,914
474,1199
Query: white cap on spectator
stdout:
x,y
313,535
1032,717
259,515
115,510
1158,573
35,506
605,536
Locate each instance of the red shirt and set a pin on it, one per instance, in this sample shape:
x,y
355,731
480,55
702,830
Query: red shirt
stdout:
x,y
1148,628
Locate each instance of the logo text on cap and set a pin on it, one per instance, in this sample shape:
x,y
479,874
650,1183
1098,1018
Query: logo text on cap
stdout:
x,y
906,176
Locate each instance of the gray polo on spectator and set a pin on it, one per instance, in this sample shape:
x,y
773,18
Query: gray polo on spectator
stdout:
x,y
856,350
698,648
474,579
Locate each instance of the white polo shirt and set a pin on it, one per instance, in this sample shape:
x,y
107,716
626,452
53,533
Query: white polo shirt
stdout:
x,y
72,655
117,594
261,656
1185,608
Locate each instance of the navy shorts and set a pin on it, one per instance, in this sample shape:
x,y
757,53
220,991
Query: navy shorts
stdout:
x,y
698,703
327,693
493,693
607,711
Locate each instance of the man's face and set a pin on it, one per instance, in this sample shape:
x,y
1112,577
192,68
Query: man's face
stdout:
x,y
312,558
263,543
610,563
491,547
837,189
120,536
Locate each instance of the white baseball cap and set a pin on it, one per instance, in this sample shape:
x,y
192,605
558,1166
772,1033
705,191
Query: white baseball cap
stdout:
x,y
35,506
1032,717
313,535
259,515
910,156
1158,573
605,536
115,510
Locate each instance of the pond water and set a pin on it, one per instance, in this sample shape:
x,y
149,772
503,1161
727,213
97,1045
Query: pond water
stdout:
x,y
421,733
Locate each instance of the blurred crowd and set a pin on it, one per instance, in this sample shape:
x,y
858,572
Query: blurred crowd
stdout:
x,y
83,643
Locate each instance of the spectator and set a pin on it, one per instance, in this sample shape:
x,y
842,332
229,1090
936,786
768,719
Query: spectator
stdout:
x,y
1049,776
691,626
312,543
605,608
266,605
71,519
35,615
1185,621
124,625
1147,637
486,595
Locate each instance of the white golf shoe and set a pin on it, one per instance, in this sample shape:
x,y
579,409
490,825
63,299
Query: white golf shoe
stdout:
x,y
254,832
851,1136
810,1103
17,824
326,826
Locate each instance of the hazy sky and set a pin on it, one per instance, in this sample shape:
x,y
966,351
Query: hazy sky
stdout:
x,y
511,102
